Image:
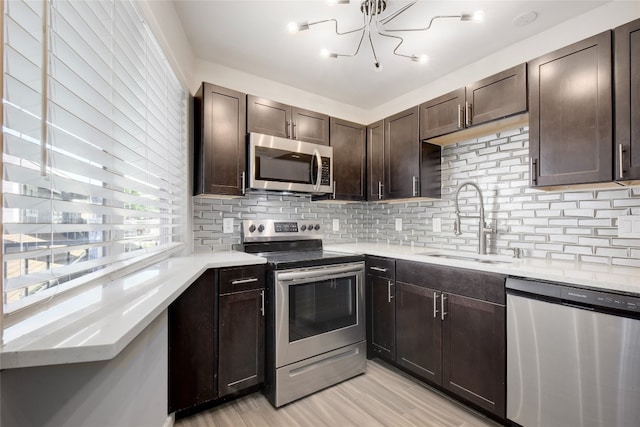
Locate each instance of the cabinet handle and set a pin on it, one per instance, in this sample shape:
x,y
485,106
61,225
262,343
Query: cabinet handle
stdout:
x,y
244,183
334,190
442,312
293,130
380,190
383,270
243,281
534,171
467,114
435,305
287,128
389,296
414,181
621,150
262,303
459,116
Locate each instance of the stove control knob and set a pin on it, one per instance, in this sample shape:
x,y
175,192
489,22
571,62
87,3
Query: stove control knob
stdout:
x,y
252,228
303,227
260,228
317,227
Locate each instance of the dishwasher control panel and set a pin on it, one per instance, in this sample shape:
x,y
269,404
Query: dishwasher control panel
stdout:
x,y
563,292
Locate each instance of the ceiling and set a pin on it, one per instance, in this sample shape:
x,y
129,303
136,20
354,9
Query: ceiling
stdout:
x,y
252,36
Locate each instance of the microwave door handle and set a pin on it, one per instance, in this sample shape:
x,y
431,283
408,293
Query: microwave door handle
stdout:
x,y
318,159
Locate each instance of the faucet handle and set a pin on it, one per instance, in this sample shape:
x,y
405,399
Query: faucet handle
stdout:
x,y
517,252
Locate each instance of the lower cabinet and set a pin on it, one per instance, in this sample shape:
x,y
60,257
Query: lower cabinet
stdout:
x,y
216,337
381,307
449,329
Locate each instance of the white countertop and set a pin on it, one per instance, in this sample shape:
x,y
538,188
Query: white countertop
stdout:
x,y
596,276
97,323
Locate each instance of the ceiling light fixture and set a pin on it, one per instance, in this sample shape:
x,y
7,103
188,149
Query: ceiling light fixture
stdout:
x,y
373,23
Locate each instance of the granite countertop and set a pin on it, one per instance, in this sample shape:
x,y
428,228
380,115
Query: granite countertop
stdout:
x,y
97,323
595,276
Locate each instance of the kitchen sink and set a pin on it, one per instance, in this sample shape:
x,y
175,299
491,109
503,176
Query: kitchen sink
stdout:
x,y
473,258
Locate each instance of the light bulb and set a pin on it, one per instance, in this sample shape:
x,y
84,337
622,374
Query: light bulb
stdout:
x,y
334,2
325,53
421,59
294,27
478,16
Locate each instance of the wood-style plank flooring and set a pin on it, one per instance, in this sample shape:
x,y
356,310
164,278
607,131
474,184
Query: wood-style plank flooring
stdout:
x,y
383,396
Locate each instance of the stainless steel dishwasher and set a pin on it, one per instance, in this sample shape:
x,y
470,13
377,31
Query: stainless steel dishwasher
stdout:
x,y
573,356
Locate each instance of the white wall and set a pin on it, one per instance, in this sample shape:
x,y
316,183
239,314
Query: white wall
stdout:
x,y
128,391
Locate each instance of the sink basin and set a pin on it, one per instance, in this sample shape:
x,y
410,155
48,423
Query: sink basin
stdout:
x,y
466,258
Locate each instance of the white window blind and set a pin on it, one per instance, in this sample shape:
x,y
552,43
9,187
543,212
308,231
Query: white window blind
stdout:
x,y
112,194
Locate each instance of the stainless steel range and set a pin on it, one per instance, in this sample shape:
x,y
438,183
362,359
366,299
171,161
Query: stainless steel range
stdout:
x,y
315,309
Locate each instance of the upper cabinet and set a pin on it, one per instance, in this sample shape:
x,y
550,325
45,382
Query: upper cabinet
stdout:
x,y
219,141
627,96
501,95
349,144
400,166
273,118
570,114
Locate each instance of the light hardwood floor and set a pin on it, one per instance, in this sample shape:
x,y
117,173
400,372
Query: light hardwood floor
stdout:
x,y
383,396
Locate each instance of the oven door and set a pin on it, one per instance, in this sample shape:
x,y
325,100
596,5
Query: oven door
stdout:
x,y
289,165
317,310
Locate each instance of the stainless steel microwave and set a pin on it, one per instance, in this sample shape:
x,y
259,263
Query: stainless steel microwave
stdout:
x,y
289,165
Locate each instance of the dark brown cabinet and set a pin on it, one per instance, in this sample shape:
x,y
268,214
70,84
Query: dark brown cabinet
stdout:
x,y
450,330
241,329
399,165
627,98
495,97
216,337
193,344
349,144
419,331
273,118
219,141
570,114
381,313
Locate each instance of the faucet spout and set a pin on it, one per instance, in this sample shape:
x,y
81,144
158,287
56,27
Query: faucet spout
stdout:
x,y
483,230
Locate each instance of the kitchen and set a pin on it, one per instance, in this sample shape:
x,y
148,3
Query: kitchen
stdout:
x,y
575,225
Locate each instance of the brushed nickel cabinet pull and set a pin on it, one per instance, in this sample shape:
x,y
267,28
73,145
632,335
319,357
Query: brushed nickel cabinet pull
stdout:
x,y
414,182
435,305
620,160
287,129
389,285
293,130
467,115
460,112
383,270
243,281
442,312
244,183
262,303
380,190
534,171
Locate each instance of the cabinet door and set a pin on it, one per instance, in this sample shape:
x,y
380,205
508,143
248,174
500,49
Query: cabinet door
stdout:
x,y
570,114
349,159
241,358
220,140
268,117
375,159
402,154
192,344
474,351
442,115
310,126
496,97
627,78
419,331
382,316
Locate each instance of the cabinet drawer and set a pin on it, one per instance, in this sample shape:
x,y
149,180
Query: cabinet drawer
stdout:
x,y
381,267
240,279
469,283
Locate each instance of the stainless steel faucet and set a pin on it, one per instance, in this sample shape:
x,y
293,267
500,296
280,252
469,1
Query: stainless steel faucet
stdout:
x,y
483,230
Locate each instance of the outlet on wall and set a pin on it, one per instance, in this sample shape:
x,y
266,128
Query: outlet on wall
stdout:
x,y
398,224
336,224
227,225
437,225
629,226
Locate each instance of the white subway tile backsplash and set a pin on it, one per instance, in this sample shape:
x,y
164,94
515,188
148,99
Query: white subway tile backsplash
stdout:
x,y
575,225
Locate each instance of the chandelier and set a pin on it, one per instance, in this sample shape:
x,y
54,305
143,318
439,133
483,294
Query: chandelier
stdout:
x,y
374,23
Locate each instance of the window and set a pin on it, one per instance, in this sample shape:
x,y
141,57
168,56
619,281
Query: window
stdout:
x,y
105,188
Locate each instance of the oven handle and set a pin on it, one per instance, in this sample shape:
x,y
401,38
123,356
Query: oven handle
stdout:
x,y
325,273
